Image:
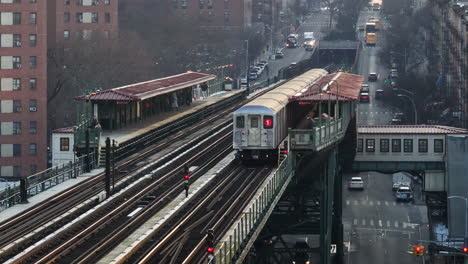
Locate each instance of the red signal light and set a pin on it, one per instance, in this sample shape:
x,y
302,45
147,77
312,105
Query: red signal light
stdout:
x,y
285,151
418,249
186,177
465,250
210,250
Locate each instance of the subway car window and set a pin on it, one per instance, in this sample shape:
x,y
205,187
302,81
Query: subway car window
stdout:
x,y
240,122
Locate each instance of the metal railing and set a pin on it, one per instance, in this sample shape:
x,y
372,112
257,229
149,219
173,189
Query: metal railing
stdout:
x,y
45,180
319,136
254,216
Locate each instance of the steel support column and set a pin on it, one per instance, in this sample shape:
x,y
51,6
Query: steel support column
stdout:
x,y
327,194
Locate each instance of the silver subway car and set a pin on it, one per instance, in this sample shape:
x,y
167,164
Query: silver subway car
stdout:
x,y
261,125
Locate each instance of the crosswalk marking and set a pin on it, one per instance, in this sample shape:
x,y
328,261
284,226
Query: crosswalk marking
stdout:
x,y
371,203
394,203
396,224
388,223
363,222
378,202
380,223
356,202
355,222
386,203
372,222
347,202
364,202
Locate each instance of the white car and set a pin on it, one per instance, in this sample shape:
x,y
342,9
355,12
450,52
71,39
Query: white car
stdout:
x,y
356,183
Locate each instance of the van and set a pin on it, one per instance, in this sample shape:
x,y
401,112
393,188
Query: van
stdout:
x,y
371,39
404,193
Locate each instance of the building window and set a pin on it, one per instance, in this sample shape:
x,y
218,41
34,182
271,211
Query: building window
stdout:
x,y
16,40
384,145
66,2
226,4
32,1
64,144
107,2
16,84
33,149
33,18
66,17
32,127
438,145
209,4
408,145
95,17
360,144
32,169
79,17
226,17
32,62
32,105
16,150
17,106
201,5
16,18
66,34
174,4
95,2
422,145
184,4
32,40
16,127
32,83
79,2
107,17
370,145
396,145
16,62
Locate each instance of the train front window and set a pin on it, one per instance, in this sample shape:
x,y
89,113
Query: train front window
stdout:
x,y
240,122
254,122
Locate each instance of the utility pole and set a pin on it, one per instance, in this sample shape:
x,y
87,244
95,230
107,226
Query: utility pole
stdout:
x,y
108,167
247,65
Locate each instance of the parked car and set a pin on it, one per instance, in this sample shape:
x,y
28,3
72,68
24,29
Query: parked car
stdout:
x,y
394,66
379,94
394,75
264,62
364,97
279,54
356,183
258,69
365,88
404,193
373,76
253,76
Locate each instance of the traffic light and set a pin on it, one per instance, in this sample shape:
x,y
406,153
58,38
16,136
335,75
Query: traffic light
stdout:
x,y
418,250
186,172
210,241
465,250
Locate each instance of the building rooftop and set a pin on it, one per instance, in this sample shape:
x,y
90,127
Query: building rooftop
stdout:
x,y
409,129
63,130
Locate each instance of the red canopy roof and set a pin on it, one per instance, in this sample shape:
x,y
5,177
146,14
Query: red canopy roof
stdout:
x,y
342,86
149,89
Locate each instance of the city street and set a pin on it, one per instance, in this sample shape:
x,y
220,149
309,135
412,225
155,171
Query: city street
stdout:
x,y
377,229
313,23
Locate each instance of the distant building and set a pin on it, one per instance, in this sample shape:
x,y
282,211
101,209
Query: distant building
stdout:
x,y
449,51
23,87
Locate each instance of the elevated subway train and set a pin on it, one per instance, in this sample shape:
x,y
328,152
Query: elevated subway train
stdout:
x,y
262,124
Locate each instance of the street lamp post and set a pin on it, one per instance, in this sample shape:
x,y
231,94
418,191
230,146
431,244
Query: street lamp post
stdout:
x,y
466,216
414,107
247,65
404,55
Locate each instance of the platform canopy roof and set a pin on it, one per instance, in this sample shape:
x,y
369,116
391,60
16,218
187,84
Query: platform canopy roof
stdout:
x,y
149,89
410,129
341,86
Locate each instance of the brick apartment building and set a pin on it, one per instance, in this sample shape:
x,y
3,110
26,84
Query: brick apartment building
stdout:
x,y
215,14
27,29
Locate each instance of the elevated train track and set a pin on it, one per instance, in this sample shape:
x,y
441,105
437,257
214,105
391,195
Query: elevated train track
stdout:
x,y
55,213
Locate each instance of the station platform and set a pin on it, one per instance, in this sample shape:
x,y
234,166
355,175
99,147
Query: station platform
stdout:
x,y
43,196
131,131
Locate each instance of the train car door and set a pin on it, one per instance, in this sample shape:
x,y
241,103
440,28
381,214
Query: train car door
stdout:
x,y
254,138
